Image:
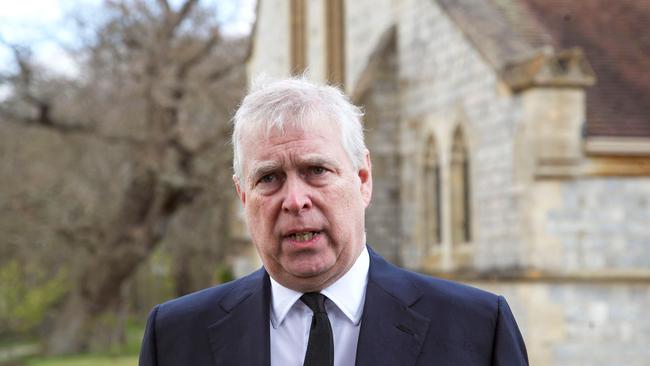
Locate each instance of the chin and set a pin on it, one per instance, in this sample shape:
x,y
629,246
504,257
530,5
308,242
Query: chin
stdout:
x,y
310,271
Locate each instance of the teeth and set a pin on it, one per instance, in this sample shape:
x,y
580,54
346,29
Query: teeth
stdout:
x,y
303,236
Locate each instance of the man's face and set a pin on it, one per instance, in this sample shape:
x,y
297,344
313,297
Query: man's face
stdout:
x,y
304,204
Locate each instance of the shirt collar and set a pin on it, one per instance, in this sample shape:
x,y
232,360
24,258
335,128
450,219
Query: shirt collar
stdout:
x,y
347,293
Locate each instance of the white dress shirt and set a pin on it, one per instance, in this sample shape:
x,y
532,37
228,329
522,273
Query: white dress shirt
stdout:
x,y
291,318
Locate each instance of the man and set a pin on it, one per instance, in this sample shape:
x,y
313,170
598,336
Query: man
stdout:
x,y
303,175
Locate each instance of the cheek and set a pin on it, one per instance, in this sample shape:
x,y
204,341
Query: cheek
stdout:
x,y
254,204
251,211
346,195
260,214
343,204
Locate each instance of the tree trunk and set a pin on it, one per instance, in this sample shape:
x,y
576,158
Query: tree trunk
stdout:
x,y
182,274
70,327
134,234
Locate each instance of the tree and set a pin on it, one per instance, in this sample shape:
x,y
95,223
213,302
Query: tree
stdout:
x,y
156,86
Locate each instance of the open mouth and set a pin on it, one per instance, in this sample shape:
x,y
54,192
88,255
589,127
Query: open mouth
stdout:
x,y
304,236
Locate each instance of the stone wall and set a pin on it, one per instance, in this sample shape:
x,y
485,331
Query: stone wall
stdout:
x,y
445,83
270,55
366,20
381,125
581,323
316,40
591,224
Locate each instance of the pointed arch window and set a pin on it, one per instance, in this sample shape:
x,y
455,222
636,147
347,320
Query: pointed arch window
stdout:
x,y
431,195
461,232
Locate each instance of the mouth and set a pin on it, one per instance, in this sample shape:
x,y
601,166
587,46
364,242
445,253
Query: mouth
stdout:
x,y
303,236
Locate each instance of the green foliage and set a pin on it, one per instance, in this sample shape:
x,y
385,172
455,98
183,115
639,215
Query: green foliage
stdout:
x,y
26,294
224,274
126,341
134,334
160,275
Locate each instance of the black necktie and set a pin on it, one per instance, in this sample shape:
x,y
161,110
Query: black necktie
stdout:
x,y
320,348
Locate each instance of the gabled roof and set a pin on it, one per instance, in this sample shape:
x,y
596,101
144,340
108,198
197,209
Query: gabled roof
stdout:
x,y
564,43
615,36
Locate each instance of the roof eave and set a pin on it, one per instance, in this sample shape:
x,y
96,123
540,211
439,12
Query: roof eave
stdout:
x,y
565,69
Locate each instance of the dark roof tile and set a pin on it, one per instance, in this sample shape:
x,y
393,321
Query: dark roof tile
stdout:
x,y
615,36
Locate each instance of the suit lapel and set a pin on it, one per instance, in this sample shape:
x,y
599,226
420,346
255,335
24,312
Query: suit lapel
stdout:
x,y
241,337
391,333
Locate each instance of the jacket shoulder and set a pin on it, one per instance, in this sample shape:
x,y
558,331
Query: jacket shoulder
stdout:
x,y
208,303
453,293
416,288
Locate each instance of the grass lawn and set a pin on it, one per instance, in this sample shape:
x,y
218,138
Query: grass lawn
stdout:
x,y
85,360
125,355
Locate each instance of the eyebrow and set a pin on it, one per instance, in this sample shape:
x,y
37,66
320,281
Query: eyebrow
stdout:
x,y
311,160
263,168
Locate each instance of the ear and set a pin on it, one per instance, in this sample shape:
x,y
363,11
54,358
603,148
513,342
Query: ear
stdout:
x,y
365,176
240,192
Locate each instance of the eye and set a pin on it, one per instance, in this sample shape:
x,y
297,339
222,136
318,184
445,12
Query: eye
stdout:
x,y
266,179
318,170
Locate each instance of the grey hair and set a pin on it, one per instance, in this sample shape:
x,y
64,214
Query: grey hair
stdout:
x,y
297,102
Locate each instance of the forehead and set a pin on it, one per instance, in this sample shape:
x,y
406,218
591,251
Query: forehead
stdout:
x,y
270,134
295,142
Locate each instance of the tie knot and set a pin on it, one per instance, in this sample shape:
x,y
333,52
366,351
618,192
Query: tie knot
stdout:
x,y
315,301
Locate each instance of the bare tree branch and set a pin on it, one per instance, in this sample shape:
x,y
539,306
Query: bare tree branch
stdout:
x,y
173,20
199,55
217,75
81,129
184,11
145,75
165,5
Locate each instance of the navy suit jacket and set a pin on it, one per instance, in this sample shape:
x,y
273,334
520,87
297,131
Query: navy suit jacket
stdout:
x,y
408,319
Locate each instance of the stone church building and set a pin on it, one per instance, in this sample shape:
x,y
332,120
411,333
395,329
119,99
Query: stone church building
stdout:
x,y
510,142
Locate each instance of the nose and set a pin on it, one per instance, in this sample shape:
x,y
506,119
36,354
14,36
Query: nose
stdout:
x,y
296,198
